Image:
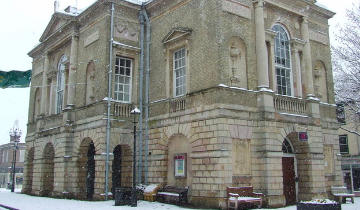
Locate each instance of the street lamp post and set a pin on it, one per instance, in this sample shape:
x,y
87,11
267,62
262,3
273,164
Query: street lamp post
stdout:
x,y
15,134
135,112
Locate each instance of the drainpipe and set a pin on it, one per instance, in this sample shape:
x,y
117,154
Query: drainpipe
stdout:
x,y
147,84
141,78
108,126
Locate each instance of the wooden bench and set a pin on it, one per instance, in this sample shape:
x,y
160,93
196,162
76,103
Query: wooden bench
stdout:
x,y
173,195
340,193
243,197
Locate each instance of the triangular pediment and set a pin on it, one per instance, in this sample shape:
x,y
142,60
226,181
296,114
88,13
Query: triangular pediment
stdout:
x,y
58,20
176,34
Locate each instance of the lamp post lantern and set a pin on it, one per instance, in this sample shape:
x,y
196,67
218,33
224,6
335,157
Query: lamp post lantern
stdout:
x,y
15,134
135,112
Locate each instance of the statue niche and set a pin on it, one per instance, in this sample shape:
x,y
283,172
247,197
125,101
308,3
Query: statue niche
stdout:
x,y
237,55
90,82
320,84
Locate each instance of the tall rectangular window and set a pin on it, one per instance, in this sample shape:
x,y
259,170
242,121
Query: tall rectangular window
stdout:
x,y
282,60
343,143
179,66
123,73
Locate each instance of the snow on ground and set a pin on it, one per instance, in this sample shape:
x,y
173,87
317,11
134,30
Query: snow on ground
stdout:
x,y
26,202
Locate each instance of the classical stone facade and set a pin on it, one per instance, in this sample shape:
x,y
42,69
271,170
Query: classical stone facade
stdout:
x,y
240,93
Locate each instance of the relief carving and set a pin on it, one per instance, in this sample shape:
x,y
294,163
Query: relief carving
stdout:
x,y
125,32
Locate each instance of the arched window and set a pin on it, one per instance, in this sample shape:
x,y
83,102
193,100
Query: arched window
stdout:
x,y
286,147
60,87
282,61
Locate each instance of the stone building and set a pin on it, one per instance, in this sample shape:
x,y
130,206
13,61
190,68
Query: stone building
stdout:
x,y
233,93
6,160
349,143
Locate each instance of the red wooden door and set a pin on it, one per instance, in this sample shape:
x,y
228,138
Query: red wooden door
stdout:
x,y
289,180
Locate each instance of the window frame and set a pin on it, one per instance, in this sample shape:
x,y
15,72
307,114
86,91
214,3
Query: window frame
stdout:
x,y
61,77
175,69
117,83
344,144
285,68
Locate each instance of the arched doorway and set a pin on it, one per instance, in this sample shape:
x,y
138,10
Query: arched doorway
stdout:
x,y
289,169
86,169
47,181
29,171
90,178
116,169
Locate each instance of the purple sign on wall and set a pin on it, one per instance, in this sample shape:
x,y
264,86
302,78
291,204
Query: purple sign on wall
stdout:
x,y
303,136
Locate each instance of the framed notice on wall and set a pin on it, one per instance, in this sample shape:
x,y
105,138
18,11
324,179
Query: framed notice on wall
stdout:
x,y
180,165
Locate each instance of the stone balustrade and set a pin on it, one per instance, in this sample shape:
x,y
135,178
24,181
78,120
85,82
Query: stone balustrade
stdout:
x,y
177,104
290,105
121,109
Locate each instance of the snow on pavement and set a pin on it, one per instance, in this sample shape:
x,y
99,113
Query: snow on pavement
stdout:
x,y
26,202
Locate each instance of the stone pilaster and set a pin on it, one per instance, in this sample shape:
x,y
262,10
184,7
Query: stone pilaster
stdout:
x,y
72,71
99,185
272,62
44,86
297,69
268,168
309,87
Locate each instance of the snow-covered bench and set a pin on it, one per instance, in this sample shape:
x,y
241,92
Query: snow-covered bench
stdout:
x,y
243,196
174,195
341,194
150,192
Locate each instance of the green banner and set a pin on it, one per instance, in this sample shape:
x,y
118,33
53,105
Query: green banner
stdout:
x,y
15,79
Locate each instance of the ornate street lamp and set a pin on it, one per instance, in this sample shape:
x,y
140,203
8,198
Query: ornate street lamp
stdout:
x,y
135,112
15,134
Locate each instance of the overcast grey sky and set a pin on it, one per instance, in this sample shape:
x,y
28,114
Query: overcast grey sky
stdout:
x,y
23,22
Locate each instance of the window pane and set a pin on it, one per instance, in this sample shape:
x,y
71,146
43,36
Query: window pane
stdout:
x,y
179,72
122,90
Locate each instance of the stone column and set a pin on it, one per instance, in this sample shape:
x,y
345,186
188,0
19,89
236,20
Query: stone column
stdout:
x,y
261,52
309,88
265,97
72,71
44,86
